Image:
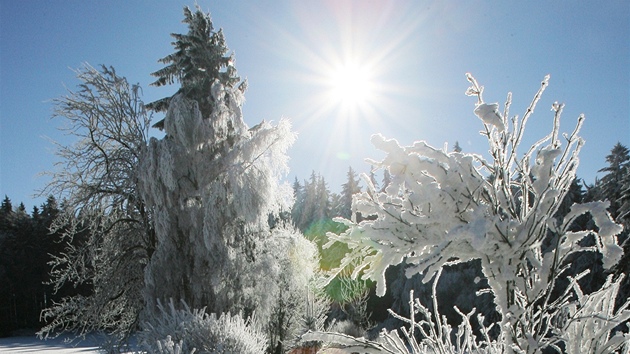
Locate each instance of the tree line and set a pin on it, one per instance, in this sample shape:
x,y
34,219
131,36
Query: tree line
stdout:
x,y
27,244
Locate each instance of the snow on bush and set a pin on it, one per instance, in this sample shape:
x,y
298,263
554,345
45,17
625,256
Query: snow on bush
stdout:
x,y
195,331
449,207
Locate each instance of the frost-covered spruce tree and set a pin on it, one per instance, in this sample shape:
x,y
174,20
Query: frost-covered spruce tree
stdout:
x,y
212,184
449,207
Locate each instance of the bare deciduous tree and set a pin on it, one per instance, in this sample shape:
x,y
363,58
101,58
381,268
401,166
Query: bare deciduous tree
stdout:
x,y
97,179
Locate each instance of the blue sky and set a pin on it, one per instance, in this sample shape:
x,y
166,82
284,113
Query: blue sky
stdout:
x,y
414,55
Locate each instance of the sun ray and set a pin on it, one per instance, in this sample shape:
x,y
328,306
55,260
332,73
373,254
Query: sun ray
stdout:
x,y
351,83
345,68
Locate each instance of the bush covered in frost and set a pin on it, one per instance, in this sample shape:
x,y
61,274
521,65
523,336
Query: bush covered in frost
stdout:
x,y
443,208
186,331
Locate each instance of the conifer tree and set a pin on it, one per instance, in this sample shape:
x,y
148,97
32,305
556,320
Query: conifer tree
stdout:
x,y
348,189
212,184
298,202
26,246
35,212
199,60
307,207
624,199
50,208
21,208
184,217
323,200
336,204
614,187
456,147
373,178
6,206
297,188
610,187
6,209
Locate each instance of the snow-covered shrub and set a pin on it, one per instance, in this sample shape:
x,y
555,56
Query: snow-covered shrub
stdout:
x,y
347,327
442,208
438,336
350,305
588,323
314,317
462,285
167,346
286,288
187,331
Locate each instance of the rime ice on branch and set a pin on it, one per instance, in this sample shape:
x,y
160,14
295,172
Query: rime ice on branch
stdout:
x,y
105,225
443,208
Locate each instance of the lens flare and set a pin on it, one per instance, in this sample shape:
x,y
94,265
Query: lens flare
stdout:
x,y
351,84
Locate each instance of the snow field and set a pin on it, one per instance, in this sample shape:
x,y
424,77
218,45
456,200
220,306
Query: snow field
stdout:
x,y
60,345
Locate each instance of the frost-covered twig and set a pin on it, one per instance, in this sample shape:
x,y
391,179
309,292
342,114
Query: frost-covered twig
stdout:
x,y
424,336
442,207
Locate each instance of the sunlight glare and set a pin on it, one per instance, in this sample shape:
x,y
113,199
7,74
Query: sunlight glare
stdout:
x,y
350,84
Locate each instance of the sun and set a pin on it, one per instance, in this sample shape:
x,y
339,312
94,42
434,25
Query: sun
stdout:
x,y
350,84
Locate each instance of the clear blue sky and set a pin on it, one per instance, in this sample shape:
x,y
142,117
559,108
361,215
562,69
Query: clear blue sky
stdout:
x,y
415,55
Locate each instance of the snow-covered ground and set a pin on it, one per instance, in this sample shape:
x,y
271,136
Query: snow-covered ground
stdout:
x,y
31,344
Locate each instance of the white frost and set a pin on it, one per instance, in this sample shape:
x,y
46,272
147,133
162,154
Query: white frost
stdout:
x,y
451,207
489,114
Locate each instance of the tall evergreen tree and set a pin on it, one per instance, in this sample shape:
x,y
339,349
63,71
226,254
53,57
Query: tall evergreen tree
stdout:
x,y
50,208
211,184
297,188
336,204
6,209
615,186
611,184
456,147
624,199
299,200
348,189
308,203
19,270
183,217
35,213
7,206
200,59
373,178
322,206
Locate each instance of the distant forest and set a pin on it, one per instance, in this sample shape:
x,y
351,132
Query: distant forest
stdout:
x,y
27,246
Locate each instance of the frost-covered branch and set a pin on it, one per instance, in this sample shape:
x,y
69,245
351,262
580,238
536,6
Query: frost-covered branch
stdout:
x,y
431,333
448,206
103,220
